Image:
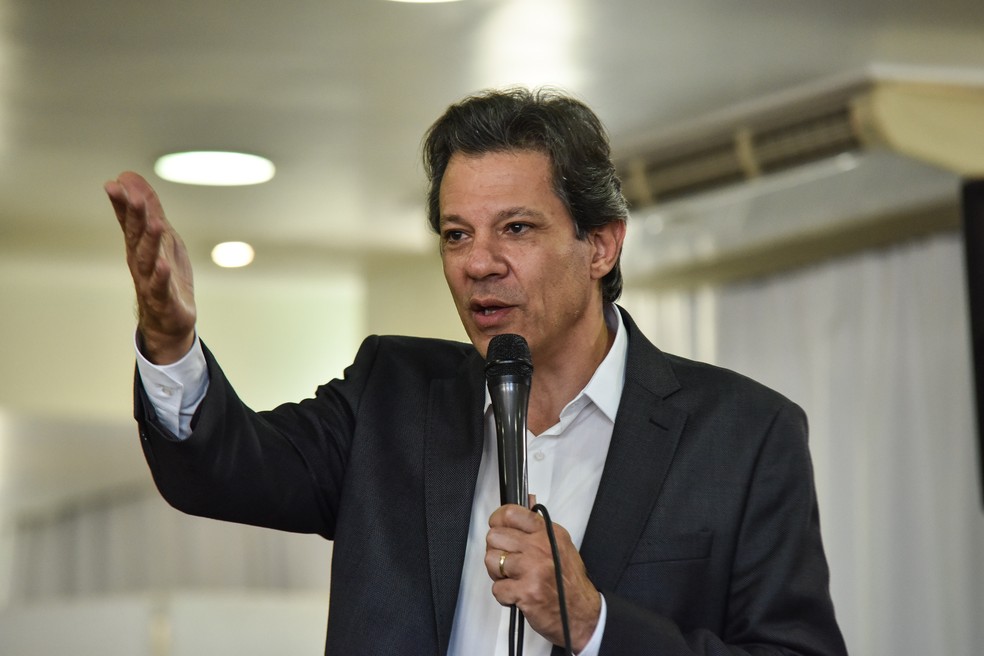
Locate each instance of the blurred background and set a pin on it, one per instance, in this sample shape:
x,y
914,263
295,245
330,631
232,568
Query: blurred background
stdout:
x,y
794,169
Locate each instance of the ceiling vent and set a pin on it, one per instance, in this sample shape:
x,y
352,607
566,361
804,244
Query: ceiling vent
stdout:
x,y
752,187
747,152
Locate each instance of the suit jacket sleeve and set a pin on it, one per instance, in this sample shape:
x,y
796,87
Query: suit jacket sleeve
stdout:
x,y
380,473
280,469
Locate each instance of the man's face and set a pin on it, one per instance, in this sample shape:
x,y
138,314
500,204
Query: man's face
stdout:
x,y
511,257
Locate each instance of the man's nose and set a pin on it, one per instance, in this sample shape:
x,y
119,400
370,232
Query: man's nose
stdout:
x,y
485,258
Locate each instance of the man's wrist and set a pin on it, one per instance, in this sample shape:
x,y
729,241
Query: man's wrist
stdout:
x,y
163,350
593,645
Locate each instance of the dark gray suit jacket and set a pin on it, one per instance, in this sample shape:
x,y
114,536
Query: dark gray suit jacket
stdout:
x,y
704,536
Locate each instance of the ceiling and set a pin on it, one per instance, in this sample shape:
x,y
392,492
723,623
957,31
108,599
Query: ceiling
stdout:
x,y
339,92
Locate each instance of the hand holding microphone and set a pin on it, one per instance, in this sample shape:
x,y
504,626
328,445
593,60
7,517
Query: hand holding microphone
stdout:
x,y
519,557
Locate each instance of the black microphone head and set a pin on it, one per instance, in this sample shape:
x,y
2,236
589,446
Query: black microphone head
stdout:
x,y
508,355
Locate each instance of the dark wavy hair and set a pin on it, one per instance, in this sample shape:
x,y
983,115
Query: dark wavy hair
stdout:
x,y
544,120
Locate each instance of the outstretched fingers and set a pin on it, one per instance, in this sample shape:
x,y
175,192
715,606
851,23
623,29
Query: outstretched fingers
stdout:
x,y
160,268
142,227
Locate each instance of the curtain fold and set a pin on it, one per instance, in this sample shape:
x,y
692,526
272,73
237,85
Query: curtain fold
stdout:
x,y
135,542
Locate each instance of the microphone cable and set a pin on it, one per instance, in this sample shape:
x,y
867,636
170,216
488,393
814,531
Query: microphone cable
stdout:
x,y
516,632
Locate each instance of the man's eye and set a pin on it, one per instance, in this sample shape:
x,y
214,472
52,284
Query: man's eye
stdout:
x,y
518,228
453,235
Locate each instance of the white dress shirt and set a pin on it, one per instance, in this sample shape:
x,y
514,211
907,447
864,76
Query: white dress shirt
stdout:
x,y
564,464
564,469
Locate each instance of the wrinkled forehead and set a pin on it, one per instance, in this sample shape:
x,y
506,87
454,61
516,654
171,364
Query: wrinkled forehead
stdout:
x,y
512,181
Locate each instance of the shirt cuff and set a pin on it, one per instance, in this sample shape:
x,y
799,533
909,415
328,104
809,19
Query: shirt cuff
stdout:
x,y
175,390
593,648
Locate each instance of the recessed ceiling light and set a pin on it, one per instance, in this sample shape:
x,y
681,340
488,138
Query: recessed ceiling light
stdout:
x,y
232,254
214,168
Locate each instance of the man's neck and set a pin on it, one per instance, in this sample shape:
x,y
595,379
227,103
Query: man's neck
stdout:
x,y
557,380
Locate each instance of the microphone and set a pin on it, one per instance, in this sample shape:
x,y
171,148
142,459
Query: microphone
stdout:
x,y
508,372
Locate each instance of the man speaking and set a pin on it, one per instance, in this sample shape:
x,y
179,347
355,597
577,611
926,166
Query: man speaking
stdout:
x,y
682,494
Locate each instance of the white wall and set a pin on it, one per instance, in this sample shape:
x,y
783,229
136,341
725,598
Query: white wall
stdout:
x,y
179,624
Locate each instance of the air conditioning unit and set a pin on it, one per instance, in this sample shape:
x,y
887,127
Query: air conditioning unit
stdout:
x,y
799,176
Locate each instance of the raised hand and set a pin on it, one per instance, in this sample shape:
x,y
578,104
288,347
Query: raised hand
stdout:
x,y
160,267
526,576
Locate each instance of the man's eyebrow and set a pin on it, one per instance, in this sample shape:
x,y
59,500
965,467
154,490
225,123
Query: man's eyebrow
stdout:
x,y
509,213
449,218
516,212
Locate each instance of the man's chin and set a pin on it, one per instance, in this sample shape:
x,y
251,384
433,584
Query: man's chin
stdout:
x,y
480,341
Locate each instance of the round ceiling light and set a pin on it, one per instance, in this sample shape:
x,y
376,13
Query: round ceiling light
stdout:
x,y
214,168
232,254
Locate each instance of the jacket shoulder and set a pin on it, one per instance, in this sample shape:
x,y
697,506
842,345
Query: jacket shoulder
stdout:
x,y
426,356
714,377
674,377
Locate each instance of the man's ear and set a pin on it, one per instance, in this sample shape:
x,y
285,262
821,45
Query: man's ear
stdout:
x,y
606,240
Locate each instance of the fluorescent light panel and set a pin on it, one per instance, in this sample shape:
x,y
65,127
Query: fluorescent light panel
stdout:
x,y
215,168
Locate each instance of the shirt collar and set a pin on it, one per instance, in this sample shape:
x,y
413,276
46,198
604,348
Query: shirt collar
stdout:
x,y
605,387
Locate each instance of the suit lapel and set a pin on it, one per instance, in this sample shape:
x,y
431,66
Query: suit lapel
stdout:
x,y
644,439
452,457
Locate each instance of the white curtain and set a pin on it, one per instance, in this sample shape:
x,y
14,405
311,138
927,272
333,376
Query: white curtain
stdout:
x,y
134,542
876,349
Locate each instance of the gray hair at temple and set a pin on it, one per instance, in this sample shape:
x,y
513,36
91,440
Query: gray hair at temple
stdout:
x,y
543,120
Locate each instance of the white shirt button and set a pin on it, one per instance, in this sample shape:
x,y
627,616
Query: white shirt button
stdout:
x,y
539,455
